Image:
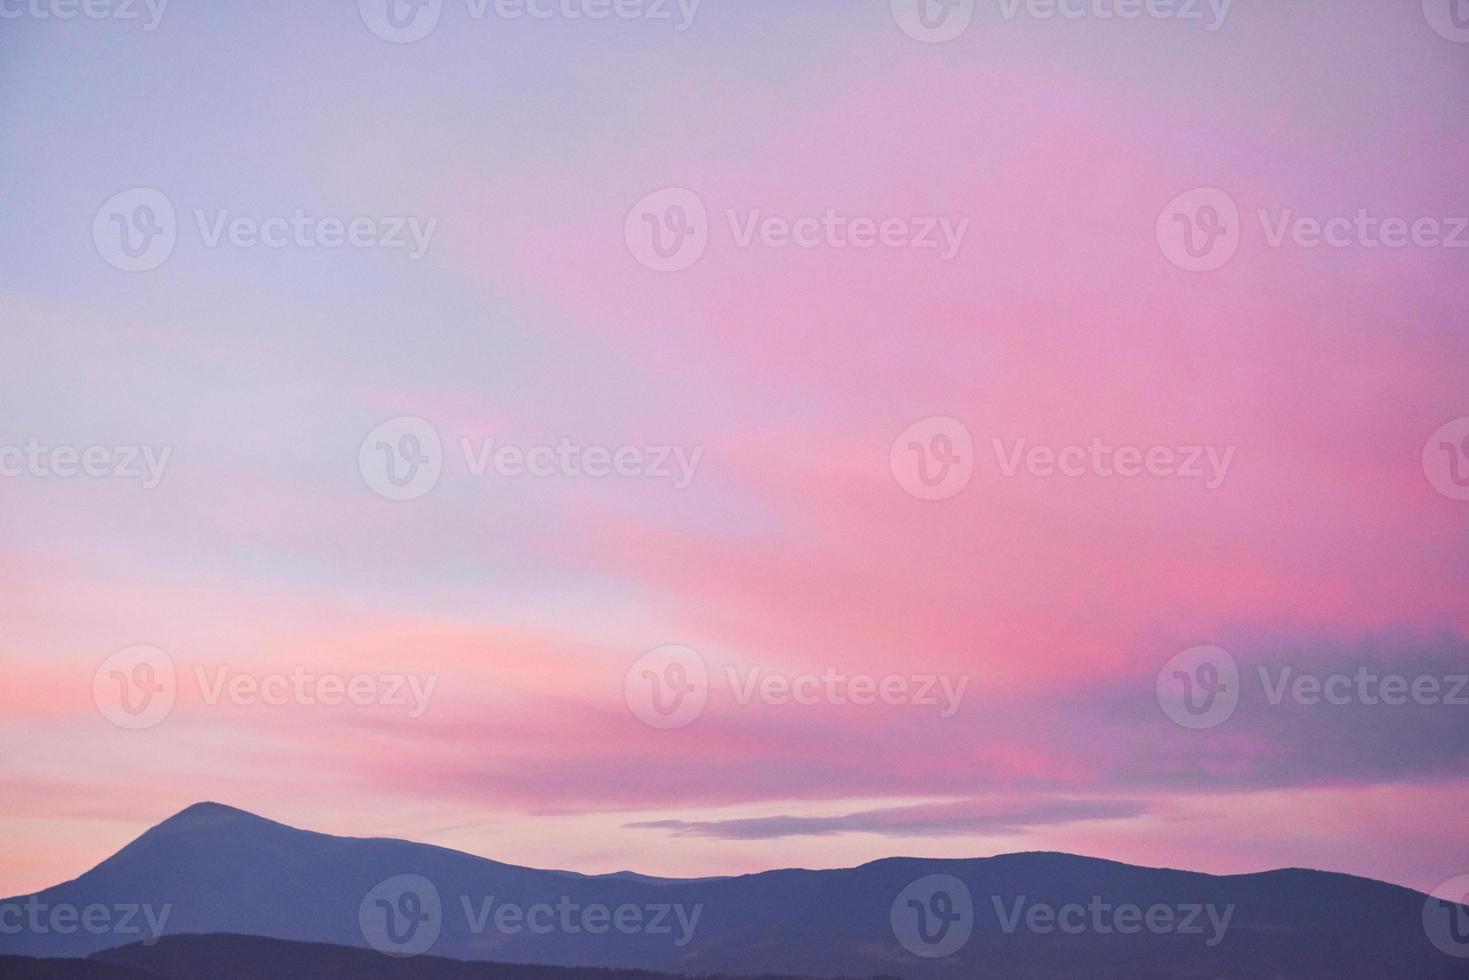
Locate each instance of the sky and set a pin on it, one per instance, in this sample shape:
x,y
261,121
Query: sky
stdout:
x,y
715,437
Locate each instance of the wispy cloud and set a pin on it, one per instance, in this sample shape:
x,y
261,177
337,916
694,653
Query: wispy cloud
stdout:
x,y
923,820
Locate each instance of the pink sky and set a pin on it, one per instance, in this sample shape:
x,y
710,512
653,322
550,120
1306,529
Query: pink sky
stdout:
x,y
1324,548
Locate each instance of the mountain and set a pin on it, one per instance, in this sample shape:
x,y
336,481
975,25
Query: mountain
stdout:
x,y
215,869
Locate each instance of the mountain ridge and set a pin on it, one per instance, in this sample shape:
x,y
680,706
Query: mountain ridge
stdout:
x,y
227,811
213,868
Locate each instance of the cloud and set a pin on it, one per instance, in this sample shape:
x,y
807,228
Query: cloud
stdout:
x,y
923,820
1388,707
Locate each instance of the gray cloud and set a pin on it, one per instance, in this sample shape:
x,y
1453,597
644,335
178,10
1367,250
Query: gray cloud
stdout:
x,y
923,820
1276,739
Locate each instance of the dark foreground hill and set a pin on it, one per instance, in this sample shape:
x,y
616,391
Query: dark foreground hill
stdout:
x,y
218,957
216,870
29,968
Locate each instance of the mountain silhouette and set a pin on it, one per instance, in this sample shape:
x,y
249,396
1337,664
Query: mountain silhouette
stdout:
x,y
219,870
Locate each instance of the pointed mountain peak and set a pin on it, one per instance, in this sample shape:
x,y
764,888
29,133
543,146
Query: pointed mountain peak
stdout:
x,y
203,824
209,812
